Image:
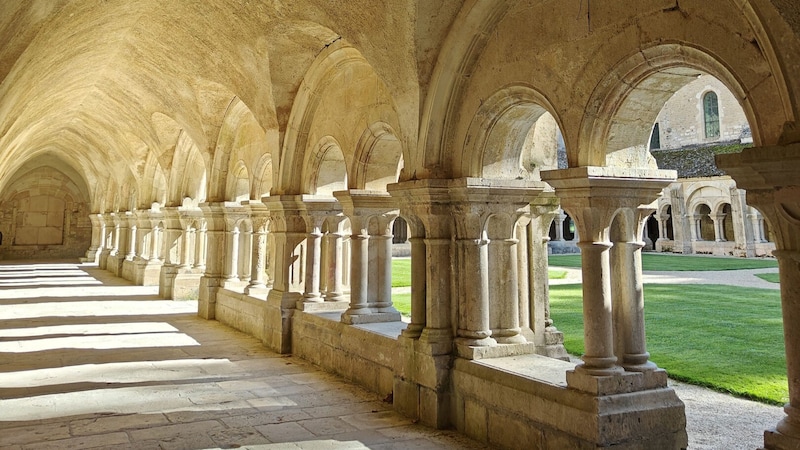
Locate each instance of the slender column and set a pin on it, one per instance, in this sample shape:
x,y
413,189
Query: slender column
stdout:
x,y
560,226
334,292
418,274
200,249
504,311
259,257
245,263
233,260
603,200
789,269
473,312
359,272
132,242
155,232
628,307
313,254
383,301
598,329
662,226
186,248
115,240
719,224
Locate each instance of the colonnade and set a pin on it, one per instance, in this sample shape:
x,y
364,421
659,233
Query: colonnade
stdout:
x,y
478,274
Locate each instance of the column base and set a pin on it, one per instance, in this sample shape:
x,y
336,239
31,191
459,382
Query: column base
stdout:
x,y
304,305
618,383
257,291
371,317
775,440
494,350
553,346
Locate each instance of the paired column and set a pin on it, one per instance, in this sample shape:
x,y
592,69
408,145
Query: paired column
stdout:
x,y
214,257
318,210
770,176
334,260
371,214
601,200
258,259
486,217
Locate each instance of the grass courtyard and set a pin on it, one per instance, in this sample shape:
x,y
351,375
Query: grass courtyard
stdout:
x,y
724,337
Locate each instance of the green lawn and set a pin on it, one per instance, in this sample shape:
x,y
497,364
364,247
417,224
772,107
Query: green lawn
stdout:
x,y
724,337
771,277
655,261
401,272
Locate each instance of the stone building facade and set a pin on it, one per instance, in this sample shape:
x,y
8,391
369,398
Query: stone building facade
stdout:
x,y
255,154
708,216
700,113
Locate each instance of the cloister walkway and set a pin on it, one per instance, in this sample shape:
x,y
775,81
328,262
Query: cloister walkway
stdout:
x,y
89,361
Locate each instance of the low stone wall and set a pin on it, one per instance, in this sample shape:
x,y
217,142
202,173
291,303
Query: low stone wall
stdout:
x,y
365,354
508,401
241,312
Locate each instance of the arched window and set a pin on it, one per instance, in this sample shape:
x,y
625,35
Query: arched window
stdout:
x,y
711,115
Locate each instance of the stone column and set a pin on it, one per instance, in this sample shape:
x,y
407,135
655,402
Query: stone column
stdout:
x,y
258,260
719,226
535,301
233,254
155,243
132,239
317,211
288,231
334,263
365,208
98,237
487,210
186,248
200,248
382,237
422,387
594,197
663,219
559,220
214,257
628,293
772,181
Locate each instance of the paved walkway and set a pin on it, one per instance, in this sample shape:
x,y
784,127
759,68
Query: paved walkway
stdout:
x,y
89,361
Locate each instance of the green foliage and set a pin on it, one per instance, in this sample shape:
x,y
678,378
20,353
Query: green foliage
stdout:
x,y
667,262
771,277
724,337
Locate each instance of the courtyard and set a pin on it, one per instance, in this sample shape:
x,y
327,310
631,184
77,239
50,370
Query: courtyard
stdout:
x,y
91,361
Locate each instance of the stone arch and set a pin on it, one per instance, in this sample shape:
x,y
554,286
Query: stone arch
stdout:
x,y
153,187
460,52
623,223
238,186
263,175
241,138
327,171
702,212
339,76
188,173
623,107
505,137
378,159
